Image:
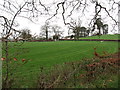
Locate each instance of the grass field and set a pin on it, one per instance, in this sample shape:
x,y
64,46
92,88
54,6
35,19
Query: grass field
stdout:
x,y
110,36
47,54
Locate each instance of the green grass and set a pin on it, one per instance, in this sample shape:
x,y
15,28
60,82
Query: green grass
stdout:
x,y
78,77
111,37
47,54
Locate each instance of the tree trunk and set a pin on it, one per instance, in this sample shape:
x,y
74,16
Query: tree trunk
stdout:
x,y
46,34
7,66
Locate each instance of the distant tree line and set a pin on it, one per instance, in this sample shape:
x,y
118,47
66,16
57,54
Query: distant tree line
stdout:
x,y
81,31
78,31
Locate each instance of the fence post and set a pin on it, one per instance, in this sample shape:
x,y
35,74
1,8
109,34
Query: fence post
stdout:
x,y
0,65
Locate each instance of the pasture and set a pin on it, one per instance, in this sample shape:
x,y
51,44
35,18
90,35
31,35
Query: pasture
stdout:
x,y
110,37
47,54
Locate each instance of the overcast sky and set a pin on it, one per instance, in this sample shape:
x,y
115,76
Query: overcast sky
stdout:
x,y
40,20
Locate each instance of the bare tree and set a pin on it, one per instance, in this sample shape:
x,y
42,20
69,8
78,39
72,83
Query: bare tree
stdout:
x,y
25,35
105,29
69,7
45,30
8,30
6,33
56,29
57,32
34,8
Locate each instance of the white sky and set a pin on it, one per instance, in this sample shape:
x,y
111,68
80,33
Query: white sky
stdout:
x,y
35,28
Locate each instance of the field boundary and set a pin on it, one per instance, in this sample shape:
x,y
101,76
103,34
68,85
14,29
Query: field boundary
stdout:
x,y
74,40
89,40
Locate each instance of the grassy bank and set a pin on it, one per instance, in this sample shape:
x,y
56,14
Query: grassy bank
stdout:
x,y
110,37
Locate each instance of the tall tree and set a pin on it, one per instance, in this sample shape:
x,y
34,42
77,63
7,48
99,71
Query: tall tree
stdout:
x,y
83,31
57,32
88,31
102,28
105,29
45,30
25,34
76,32
99,24
79,32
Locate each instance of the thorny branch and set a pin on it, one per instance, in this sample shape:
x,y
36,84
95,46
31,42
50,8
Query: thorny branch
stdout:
x,y
11,6
55,12
98,11
9,25
79,4
43,5
64,16
101,7
16,16
73,8
32,6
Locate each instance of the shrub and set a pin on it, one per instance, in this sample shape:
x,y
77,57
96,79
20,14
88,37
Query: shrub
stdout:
x,y
93,74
